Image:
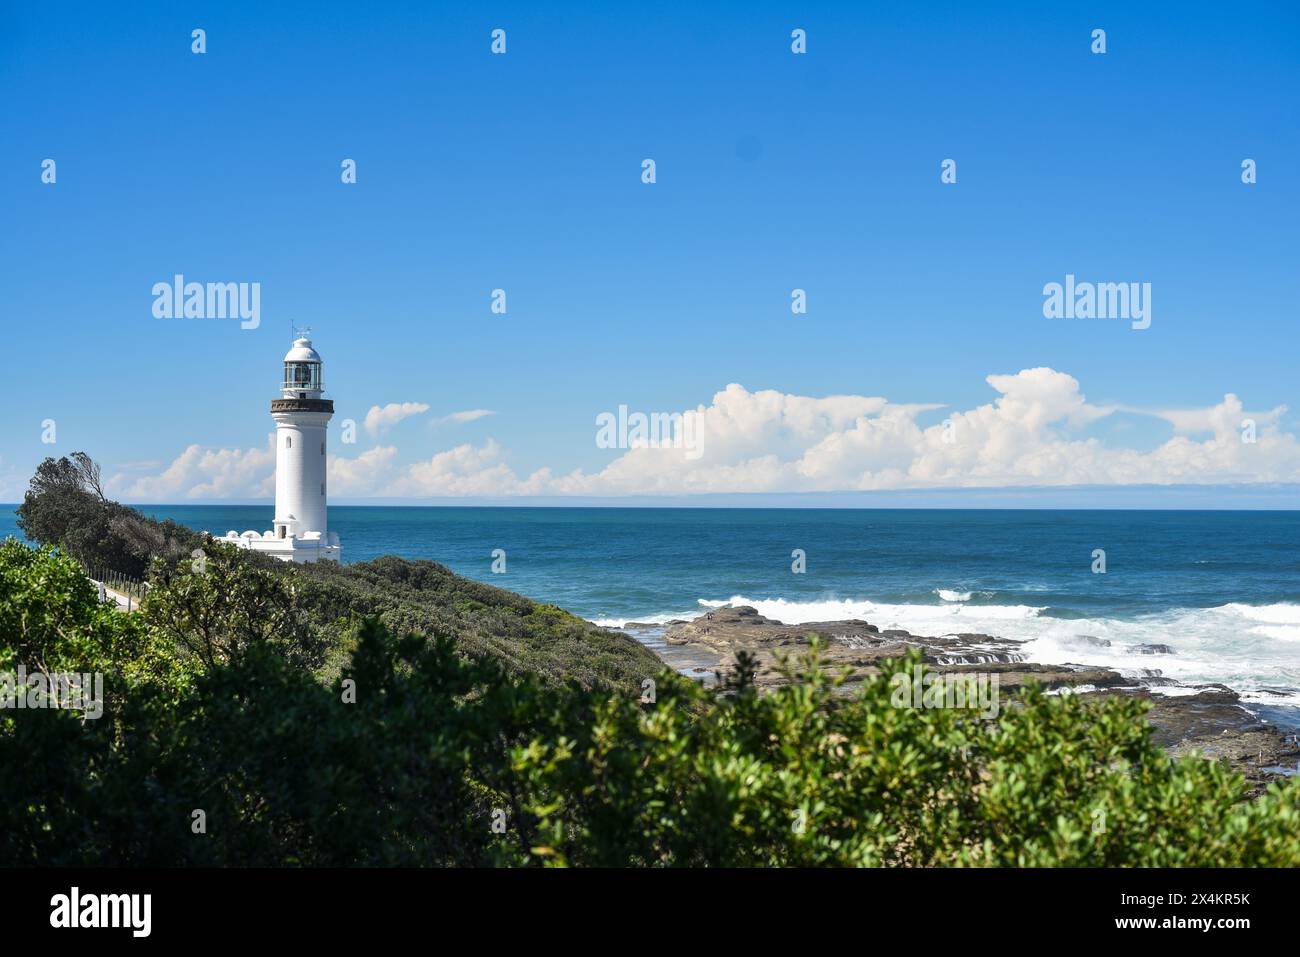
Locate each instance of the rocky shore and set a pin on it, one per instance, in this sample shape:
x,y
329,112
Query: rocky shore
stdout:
x,y
1209,719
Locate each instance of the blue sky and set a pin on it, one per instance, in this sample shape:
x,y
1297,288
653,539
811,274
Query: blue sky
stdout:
x,y
775,171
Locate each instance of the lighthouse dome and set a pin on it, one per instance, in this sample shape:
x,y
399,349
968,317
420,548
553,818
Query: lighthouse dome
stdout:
x,y
302,351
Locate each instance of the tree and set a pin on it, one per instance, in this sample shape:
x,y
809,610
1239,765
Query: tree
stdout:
x,y
88,475
65,506
218,604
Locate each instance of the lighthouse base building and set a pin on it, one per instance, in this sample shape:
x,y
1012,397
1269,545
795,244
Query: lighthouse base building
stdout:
x,y
300,531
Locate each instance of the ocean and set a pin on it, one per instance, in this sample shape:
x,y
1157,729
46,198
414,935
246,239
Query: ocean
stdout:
x,y
1220,589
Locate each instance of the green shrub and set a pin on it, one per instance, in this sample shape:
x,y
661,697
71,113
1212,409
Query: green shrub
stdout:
x,y
414,753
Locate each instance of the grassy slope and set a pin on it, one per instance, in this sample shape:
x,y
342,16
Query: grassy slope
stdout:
x,y
428,598
409,596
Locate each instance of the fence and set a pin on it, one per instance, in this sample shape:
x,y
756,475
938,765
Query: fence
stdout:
x,y
134,589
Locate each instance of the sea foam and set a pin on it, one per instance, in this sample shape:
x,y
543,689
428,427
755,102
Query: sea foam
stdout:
x,y
1250,648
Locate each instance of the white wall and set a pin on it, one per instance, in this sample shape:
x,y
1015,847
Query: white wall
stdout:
x,y
300,471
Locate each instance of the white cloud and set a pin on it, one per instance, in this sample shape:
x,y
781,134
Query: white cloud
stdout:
x,y
469,415
1031,433
13,482
356,476
203,473
466,470
1225,417
382,418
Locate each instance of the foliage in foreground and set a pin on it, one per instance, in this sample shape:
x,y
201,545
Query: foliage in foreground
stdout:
x,y
439,750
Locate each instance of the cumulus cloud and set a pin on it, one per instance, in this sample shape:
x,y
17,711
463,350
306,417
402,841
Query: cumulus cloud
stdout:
x,y
199,473
1225,417
360,474
382,418
1032,433
466,470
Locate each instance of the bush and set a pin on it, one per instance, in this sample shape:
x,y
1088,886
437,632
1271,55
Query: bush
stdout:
x,y
429,599
416,754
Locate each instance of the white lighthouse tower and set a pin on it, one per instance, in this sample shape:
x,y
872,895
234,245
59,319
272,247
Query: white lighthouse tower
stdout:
x,y
300,531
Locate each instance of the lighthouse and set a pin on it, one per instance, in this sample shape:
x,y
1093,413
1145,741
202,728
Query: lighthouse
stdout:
x,y
300,530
